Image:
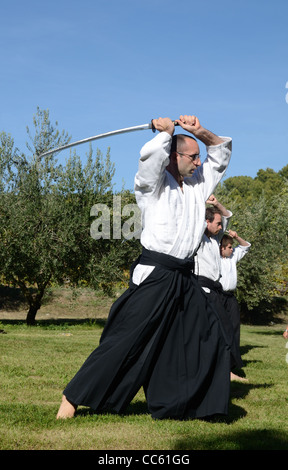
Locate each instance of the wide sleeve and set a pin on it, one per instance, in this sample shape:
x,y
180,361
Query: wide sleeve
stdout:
x,y
240,251
225,221
154,157
210,173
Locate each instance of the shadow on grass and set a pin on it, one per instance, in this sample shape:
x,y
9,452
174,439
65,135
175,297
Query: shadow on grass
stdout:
x,y
139,407
248,347
59,322
136,408
245,350
261,439
241,390
11,298
273,332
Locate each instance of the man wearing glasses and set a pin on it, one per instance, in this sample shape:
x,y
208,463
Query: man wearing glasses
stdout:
x,y
163,333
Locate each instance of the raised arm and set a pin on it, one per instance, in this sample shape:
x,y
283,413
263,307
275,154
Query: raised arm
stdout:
x,y
191,124
240,240
154,158
214,202
219,149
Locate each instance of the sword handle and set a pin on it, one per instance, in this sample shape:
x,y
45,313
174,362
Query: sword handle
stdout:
x,y
154,129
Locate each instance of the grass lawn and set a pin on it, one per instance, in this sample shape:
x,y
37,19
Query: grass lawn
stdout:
x,y
37,362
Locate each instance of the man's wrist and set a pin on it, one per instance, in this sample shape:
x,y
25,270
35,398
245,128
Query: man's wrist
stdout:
x,y
207,137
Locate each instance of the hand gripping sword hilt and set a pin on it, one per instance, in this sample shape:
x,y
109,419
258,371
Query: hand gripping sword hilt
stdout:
x,y
154,129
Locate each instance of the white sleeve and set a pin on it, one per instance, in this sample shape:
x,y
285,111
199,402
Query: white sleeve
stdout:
x,y
154,157
240,251
214,167
225,221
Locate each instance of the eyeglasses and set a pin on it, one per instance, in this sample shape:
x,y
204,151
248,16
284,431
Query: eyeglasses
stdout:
x,y
193,157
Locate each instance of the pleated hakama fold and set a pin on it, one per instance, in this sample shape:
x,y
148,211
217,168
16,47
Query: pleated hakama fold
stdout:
x,y
163,335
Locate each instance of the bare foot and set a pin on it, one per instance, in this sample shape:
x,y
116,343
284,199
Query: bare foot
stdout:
x,y
237,378
66,410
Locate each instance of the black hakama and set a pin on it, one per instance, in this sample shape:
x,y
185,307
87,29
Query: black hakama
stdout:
x,y
227,314
232,307
163,335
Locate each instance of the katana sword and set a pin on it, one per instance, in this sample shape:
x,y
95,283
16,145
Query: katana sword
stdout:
x,y
106,134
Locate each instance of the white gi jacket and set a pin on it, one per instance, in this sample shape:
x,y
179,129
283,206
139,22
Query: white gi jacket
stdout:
x,y
207,260
173,221
228,267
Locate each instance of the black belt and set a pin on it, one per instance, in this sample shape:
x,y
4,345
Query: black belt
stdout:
x,y
153,258
213,285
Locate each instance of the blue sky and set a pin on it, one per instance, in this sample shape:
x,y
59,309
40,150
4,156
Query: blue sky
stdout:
x,y
104,65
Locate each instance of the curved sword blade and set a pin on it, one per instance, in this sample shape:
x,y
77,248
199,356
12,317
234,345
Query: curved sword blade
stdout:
x,y
101,136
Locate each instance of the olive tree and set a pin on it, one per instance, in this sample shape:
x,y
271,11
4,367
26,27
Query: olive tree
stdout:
x,y
45,212
262,274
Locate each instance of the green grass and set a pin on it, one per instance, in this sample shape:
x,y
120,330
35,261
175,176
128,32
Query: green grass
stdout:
x,y
37,362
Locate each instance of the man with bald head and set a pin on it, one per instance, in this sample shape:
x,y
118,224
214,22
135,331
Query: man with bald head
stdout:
x,y
162,333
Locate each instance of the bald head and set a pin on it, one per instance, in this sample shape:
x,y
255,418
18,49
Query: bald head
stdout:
x,y
179,142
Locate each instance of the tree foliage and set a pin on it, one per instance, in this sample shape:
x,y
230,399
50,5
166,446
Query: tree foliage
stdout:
x,y
45,216
259,206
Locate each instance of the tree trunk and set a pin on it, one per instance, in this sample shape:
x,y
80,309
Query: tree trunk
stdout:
x,y
34,300
31,315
